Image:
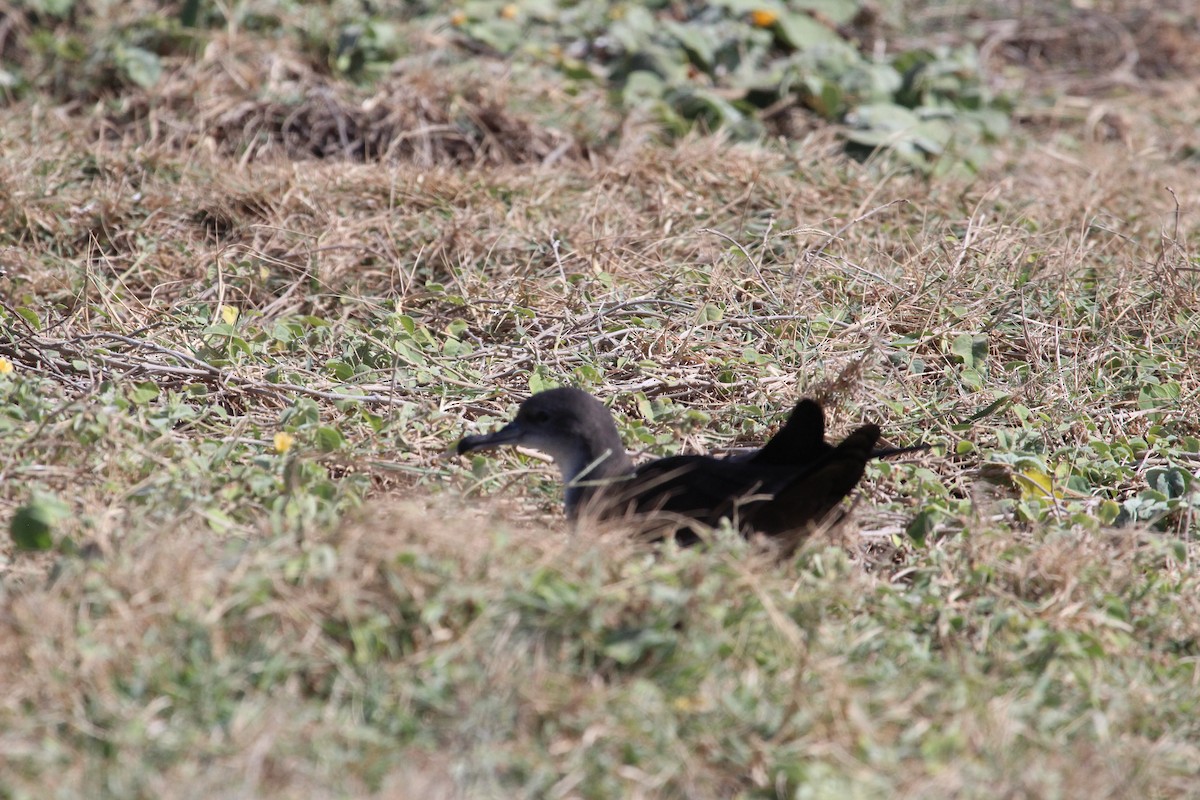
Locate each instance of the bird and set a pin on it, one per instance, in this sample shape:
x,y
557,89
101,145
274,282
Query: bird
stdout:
x,y
782,490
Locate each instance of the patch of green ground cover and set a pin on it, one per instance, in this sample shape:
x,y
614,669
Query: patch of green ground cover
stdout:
x,y
731,336
184,417
534,665
734,66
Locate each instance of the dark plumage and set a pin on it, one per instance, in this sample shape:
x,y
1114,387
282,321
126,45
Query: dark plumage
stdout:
x,y
782,490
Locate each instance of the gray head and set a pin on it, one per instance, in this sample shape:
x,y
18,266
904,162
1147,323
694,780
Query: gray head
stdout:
x,y
570,426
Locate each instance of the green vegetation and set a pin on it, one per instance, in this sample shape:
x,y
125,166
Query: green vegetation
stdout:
x,y
263,263
747,67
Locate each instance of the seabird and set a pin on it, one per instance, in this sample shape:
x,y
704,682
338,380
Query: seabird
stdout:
x,y
782,490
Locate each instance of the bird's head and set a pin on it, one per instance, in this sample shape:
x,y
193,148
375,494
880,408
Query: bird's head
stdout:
x,y
569,425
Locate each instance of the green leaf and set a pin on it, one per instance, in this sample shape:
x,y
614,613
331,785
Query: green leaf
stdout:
x,y
32,525
576,70
1035,484
501,34
714,110
329,439
190,13
143,393
57,8
838,12
645,407
627,647
218,520
878,124
407,354
752,356
589,373
140,66
1172,482
1108,512
641,87
971,349
339,369
991,408
700,42
827,98
921,526
30,316
972,378
802,32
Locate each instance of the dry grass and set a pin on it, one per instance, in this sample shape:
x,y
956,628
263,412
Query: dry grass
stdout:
x,y
222,618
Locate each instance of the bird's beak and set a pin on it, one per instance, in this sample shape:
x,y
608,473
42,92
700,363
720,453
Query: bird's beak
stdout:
x,y
512,433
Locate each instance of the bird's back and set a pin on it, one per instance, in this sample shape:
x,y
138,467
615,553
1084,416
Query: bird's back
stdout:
x,y
768,495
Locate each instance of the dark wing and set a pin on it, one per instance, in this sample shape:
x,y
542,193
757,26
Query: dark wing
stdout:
x,y
671,495
812,494
681,494
800,441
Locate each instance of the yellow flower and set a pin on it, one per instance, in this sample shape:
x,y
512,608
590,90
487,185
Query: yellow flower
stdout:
x,y
763,18
6,366
509,11
458,19
229,314
283,442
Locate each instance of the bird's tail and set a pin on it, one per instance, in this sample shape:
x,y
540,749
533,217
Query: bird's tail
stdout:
x,y
887,452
